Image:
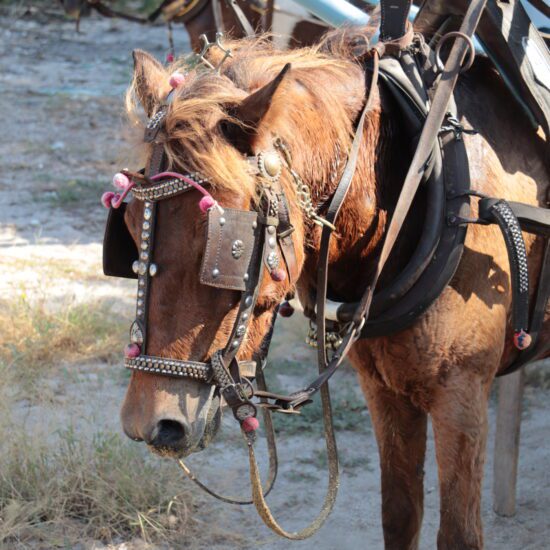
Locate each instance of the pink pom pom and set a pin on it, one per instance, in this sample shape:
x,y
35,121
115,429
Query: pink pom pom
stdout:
x,y
278,275
522,339
169,58
132,350
121,181
176,79
106,199
250,424
206,203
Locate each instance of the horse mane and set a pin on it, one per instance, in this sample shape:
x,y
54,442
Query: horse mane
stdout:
x,y
194,140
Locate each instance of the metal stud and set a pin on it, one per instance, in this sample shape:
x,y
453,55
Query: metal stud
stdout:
x,y
271,242
139,312
272,260
234,344
222,221
241,330
144,255
244,316
248,301
146,225
254,224
271,229
237,249
141,293
136,335
153,269
142,268
145,235
246,277
215,273
147,213
135,267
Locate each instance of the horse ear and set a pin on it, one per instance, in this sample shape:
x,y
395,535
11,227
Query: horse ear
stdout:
x,y
252,110
151,81
250,113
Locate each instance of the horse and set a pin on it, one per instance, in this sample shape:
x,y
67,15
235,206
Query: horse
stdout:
x,y
443,365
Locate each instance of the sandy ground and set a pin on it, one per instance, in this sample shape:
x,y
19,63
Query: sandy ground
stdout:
x,y
61,95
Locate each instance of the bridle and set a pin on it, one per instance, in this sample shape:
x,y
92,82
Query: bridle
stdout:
x,y
240,245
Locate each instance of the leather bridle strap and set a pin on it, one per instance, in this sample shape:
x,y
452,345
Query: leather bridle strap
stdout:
x,y
241,18
393,18
271,451
333,210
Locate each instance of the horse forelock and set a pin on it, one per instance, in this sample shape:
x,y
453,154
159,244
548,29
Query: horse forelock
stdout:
x,y
314,111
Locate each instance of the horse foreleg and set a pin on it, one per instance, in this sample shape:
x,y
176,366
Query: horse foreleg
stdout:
x,y
459,417
400,430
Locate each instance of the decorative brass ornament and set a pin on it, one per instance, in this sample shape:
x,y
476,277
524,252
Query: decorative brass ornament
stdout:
x,y
269,165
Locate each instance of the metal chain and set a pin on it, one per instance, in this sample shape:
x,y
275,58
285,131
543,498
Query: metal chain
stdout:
x,y
303,191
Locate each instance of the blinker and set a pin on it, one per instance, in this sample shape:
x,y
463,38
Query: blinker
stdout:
x,y
119,249
229,247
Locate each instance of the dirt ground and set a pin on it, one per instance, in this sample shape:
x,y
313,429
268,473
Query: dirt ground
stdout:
x,y
61,96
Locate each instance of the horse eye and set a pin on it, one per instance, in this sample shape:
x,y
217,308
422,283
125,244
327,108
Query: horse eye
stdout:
x,y
235,135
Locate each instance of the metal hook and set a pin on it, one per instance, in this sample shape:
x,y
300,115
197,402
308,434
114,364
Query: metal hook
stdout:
x,y
207,45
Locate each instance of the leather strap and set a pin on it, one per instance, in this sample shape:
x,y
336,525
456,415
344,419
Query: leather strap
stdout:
x,y
271,450
517,256
538,348
244,23
332,212
394,15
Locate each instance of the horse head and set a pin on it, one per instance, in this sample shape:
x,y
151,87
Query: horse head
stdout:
x,y
215,123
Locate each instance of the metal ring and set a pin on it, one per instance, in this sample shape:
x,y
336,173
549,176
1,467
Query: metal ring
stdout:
x,y
471,50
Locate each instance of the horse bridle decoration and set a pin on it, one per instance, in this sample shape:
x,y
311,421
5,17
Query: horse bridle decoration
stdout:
x,y
240,244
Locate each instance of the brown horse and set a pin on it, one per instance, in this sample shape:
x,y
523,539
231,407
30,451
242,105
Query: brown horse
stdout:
x,y
442,366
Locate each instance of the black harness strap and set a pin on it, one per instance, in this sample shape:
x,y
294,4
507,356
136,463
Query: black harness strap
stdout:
x,y
501,212
539,347
394,15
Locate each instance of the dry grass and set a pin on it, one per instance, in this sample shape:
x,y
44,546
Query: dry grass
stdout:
x,y
35,339
60,492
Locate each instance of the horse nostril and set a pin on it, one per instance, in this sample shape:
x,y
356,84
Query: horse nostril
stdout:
x,y
170,433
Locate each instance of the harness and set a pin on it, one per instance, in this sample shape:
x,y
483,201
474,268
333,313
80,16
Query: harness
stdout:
x,y
243,244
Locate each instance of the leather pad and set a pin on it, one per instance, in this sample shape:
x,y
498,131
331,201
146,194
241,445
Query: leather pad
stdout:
x,y
119,249
229,247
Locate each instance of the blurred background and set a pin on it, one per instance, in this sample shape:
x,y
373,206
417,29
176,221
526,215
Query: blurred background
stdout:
x,y
68,477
